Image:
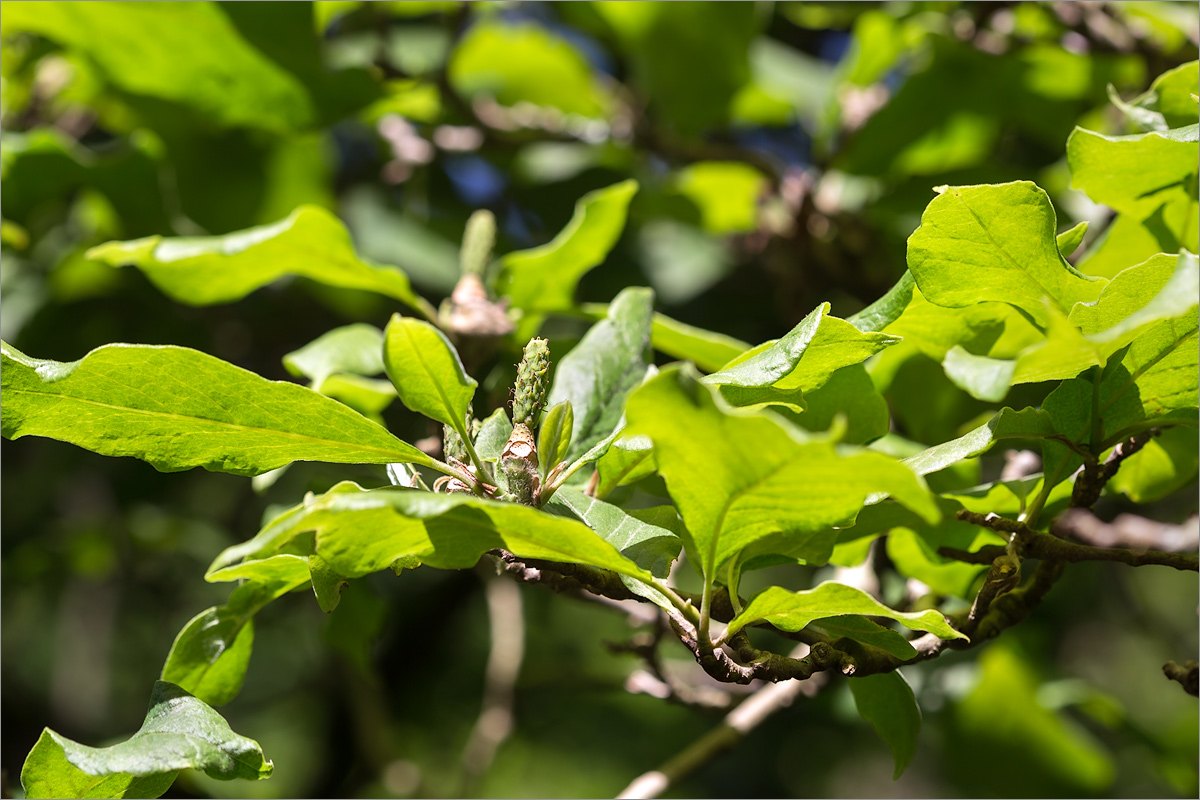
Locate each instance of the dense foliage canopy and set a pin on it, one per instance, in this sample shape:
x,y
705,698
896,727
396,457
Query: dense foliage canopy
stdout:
x,y
835,365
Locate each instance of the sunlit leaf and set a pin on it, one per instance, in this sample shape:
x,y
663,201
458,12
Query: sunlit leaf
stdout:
x,y
781,372
311,243
178,408
427,372
651,547
607,364
791,611
737,478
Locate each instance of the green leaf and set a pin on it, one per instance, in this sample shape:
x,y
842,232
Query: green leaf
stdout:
x,y
509,63
493,435
1028,423
651,547
1069,240
1003,714
887,309
995,243
189,54
791,611
367,396
356,349
913,551
864,631
1149,176
1166,463
48,773
210,655
851,394
543,279
310,243
737,477
178,408
781,372
688,64
554,435
629,459
326,582
607,364
180,732
427,372
887,702
1172,97
363,531
707,350
726,192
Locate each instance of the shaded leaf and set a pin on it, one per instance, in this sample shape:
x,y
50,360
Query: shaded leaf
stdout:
x,y
651,547
178,408
326,582
707,350
887,702
189,53
180,732
607,364
863,630
791,611
629,459
427,372
851,394
356,349
887,309
493,435
1069,240
310,242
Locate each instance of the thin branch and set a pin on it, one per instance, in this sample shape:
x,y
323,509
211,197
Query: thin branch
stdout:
x,y
1187,676
495,721
1129,530
737,725
1037,544
1094,475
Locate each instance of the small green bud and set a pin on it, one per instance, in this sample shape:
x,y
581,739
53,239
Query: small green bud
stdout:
x,y
519,460
532,377
478,240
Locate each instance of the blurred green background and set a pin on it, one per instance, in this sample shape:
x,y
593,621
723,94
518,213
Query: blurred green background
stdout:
x,y
785,151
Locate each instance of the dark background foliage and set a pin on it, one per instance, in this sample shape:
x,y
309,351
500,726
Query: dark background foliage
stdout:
x,y
785,152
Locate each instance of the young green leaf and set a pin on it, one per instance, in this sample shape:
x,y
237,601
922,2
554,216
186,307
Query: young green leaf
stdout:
x,y
178,408
179,732
607,364
850,394
326,582
543,279
356,349
781,372
554,435
887,702
1069,240
887,309
737,477
427,372
651,547
310,243
493,435
995,242
629,459
791,611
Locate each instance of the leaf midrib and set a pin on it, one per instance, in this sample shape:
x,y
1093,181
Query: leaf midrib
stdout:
x,y
213,422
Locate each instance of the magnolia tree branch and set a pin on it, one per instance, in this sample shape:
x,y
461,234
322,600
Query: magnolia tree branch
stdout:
x,y
1095,475
1037,544
1187,676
